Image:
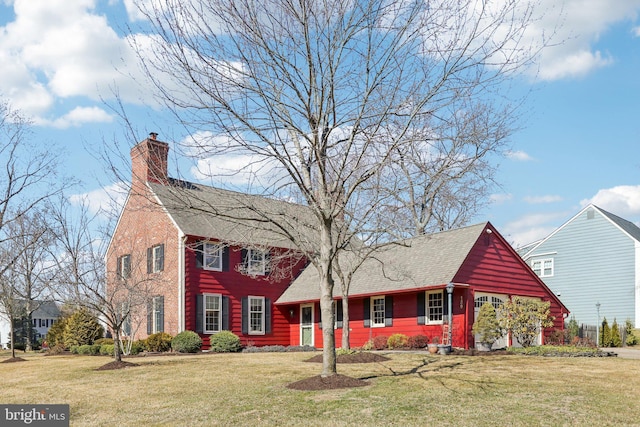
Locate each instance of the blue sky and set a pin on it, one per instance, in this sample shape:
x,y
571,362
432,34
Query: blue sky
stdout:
x,y
580,141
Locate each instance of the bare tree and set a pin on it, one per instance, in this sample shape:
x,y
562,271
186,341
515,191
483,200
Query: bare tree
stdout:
x,y
80,259
310,100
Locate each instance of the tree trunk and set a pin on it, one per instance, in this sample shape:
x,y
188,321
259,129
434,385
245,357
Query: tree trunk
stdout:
x,y
117,355
12,325
346,343
326,305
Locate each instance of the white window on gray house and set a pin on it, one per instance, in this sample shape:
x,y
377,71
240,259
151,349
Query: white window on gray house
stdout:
x,y
212,256
543,267
377,312
256,315
212,311
435,307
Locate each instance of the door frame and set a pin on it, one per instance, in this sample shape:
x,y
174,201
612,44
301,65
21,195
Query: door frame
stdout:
x,y
309,326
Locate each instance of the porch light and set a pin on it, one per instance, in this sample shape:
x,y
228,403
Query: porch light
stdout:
x,y
292,312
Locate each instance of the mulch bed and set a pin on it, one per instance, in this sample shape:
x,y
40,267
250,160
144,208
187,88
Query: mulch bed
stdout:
x,y
13,359
474,352
359,357
331,382
116,365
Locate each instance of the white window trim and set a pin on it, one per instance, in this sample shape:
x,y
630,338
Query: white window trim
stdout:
x,y
262,317
155,258
428,320
215,247
373,317
257,267
204,313
542,261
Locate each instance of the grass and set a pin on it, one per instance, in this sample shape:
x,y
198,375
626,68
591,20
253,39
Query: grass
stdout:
x,y
409,390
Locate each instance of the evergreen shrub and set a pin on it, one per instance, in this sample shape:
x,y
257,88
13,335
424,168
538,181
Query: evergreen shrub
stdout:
x,y
186,342
397,341
160,341
225,342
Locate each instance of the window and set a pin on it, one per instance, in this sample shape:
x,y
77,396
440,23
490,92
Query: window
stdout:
x,y
126,323
212,256
256,262
435,307
212,313
543,267
155,259
124,266
256,315
377,312
155,315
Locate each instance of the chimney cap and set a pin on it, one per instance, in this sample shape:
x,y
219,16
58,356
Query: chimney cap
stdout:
x,y
153,135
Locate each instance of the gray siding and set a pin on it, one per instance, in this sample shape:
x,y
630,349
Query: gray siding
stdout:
x,y
594,261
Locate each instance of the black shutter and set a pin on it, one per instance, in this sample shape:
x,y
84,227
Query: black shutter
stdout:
x,y
319,315
245,262
161,316
245,315
149,260
267,316
199,255
161,258
367,312
225,258
225,313
388,311
339,317
150,316
119,268
199,314
422,319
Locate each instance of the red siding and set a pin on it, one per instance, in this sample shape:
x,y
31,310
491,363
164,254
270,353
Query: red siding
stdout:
x,y
235,285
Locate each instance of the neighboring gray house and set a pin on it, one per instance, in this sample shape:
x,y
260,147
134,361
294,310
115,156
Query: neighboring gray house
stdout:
x,y
42,319
592,258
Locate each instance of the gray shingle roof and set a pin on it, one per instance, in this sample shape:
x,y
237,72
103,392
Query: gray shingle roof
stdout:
x,y
422,262
201,210
627,226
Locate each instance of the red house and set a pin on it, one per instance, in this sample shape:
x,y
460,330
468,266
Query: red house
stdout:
x,y
210,269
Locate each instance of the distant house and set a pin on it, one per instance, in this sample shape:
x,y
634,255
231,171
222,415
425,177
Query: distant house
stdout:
x,y
212,269
403,290
42,319
592,258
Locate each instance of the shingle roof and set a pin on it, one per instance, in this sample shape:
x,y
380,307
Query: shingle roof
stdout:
x,y
627,226
422,262
201,210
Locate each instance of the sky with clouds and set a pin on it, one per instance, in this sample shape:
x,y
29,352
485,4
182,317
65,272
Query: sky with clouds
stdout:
x,y
63,61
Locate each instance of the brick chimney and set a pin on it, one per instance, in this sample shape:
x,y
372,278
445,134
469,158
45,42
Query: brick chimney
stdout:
x,y
149,161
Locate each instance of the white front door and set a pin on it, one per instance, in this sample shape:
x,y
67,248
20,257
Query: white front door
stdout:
x,y
496,301
306,324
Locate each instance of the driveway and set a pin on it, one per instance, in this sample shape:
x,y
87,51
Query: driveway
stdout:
x,y
625,352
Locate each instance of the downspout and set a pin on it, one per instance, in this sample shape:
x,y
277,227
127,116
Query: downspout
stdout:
x,y
181,280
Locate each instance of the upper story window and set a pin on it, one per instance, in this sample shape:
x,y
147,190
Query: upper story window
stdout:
x,y
543,267
256,262
155,259
124,266
435,307
212,256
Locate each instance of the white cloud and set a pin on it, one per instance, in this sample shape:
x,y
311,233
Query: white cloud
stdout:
x,y
533,227
500,198
103,200
542,199
77,117
520,156
579,25
623,200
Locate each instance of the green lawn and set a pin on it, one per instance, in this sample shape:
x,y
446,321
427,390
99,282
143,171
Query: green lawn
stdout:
x,y
409,390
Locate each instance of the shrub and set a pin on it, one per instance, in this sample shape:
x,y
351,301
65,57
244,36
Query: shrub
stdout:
x,y
55,335
631,338
524,317
225,342
616,339
56,349
605,334
397,341
556,337
368,345
486,325
572,330
160,341
103,341
186,342
107,349
418,341
74,349
84,349
583,342
82,328
380,342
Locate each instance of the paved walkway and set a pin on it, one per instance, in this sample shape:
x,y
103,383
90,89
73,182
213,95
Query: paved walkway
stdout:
x,y
625,352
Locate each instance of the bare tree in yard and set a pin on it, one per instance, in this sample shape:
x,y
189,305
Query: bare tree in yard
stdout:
x,y
27,181
310,101
80,251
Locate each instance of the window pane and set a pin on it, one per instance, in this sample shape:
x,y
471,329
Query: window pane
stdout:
x,y
212,313
378,311
256,310
435,307
212,256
